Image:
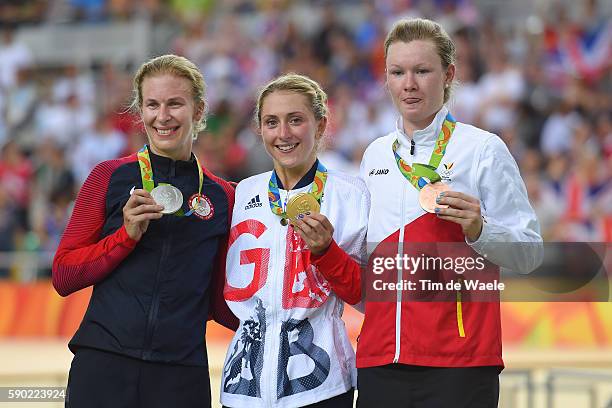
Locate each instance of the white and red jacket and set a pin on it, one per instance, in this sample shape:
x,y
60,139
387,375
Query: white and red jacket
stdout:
x,y
291,348
441,333
477,163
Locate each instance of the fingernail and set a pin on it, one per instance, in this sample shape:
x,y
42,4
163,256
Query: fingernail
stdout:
x,y
436,210
441,194
438,200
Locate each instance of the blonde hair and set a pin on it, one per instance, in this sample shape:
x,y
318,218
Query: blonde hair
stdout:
x,y
406,30
300,84
173,65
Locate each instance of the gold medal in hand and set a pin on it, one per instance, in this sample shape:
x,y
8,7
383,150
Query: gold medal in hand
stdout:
x,y
300,204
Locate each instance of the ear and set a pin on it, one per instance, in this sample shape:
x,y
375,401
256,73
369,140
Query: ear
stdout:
x,y
199,110
450,75
321,128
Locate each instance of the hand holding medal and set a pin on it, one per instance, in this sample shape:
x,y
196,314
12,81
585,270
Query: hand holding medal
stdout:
x,y
462,209
316,230
138,211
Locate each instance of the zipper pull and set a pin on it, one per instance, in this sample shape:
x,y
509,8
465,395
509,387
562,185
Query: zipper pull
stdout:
x,y
412,147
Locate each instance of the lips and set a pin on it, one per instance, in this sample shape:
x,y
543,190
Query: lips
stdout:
x,y
411,100
287,148
166,131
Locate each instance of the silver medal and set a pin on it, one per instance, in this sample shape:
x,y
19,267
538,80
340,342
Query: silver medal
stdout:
x,y
168,196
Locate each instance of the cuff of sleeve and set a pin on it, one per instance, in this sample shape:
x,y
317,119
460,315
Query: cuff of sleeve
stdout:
x,y
479,244
329,259
124,239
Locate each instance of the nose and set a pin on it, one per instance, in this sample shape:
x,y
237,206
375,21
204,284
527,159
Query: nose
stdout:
x,y
163,115
409,82
284,131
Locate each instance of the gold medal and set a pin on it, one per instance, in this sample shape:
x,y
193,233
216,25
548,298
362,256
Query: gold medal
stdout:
x,y
428,195
300,204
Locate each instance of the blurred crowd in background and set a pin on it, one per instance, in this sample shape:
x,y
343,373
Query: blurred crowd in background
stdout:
x,y
542,83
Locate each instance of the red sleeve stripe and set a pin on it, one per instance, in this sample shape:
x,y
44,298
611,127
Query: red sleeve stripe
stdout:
x,y
82,259
219,310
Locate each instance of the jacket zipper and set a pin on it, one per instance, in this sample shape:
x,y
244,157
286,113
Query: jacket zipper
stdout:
x,y
273,271
398,306
154,309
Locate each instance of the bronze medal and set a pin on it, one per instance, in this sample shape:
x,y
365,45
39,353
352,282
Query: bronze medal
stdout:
x,y
428,195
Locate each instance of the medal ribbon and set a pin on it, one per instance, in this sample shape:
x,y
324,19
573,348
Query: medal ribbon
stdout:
x,y
316,189
418,173
146,174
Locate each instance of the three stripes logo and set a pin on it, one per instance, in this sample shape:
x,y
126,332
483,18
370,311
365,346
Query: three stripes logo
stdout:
x,y
255,202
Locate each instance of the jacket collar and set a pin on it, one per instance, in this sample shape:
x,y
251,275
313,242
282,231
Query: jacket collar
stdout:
x,y
422,137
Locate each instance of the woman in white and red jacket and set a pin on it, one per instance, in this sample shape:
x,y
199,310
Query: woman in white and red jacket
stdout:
x,y
412,352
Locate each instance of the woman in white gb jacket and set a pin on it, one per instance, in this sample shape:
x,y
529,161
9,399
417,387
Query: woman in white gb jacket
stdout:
x,y
292,349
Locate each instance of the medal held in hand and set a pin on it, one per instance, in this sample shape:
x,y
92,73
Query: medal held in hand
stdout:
x,y
300,204
428,195
168,196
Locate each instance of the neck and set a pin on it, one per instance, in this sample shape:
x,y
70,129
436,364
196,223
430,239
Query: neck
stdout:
x,y
410,126
175,155
291,176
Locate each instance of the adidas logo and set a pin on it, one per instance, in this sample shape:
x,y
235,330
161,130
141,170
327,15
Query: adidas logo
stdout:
x,y
253,203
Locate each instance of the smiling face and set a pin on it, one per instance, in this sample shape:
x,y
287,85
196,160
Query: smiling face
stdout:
x,y
416,80
290,132
169,112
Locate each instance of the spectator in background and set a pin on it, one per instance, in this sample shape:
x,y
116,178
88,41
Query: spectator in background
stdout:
x,y
500,89
13,57
65,122
16,177
55,189
100,144
21,105
77,82
558,130
9,227
89,10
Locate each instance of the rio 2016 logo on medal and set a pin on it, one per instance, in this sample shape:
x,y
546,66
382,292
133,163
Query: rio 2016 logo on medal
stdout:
x,y
202,206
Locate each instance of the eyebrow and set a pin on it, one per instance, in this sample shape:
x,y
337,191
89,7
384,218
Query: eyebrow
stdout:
x,y
171,99
288,114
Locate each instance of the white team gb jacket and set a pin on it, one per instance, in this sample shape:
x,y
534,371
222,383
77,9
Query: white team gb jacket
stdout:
x,y
291,348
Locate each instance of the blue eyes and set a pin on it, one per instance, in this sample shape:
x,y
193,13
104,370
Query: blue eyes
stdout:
x,y
418,71
273,123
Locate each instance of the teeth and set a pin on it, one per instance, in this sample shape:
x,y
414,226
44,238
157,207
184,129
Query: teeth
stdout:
x,y
286,148
164,131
